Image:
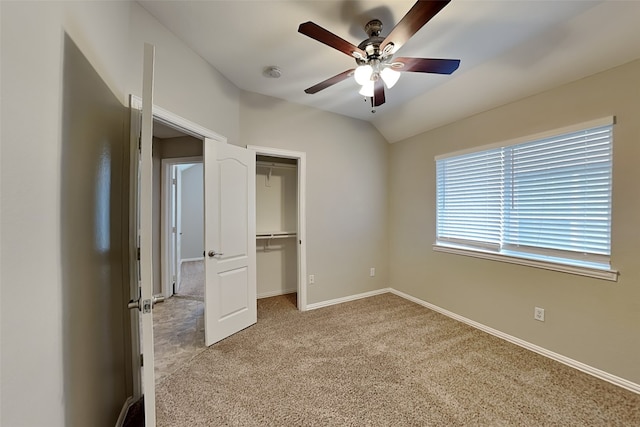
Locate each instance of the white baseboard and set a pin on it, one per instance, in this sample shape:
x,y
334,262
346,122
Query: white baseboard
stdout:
x,y
613,379
191,259
124,410
276,293
347,299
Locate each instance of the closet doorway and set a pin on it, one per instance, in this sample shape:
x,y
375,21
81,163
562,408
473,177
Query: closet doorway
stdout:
x,y
280,223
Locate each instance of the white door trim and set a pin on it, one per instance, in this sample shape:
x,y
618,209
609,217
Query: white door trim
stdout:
x,y
173,120
165,220
301,157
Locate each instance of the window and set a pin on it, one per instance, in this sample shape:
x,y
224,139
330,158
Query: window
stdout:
x,y
547,199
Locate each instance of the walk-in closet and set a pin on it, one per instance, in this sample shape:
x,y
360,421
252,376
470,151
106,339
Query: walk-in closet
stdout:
x,y
276,226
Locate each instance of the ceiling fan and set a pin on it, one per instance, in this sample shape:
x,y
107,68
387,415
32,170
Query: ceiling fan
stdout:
x,y
377,67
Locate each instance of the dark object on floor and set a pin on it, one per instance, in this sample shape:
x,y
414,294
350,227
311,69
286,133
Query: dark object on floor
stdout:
x,y
135,414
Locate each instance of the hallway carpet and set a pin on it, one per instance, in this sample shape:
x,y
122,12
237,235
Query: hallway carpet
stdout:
x,y
380,361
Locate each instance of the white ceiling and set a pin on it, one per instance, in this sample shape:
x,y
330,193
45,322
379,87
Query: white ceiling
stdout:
x,y
508,49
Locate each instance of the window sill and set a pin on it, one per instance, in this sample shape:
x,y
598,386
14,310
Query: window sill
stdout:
x,y
597,273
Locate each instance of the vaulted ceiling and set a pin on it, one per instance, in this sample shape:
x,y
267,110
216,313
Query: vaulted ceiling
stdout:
x,y
508,50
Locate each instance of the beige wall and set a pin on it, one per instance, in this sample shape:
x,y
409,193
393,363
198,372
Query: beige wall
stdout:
x,y
156,214
192,215
93,245
63,352
185,84
589,320
110,35
346,190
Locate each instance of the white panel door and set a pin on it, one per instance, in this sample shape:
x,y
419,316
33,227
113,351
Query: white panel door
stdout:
x,y
146,231
230,245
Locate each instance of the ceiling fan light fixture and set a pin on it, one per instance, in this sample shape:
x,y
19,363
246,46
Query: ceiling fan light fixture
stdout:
x,y
389,77
367,88
374,56
363,74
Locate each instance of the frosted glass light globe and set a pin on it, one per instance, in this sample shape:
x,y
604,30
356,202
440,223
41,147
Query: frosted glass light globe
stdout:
x,y
363,74
367,89
389,77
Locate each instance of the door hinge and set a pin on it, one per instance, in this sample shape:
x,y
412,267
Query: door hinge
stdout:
x,y
140,143
174,181
141,359
138,254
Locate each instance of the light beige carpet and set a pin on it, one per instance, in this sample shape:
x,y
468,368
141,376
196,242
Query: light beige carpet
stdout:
x,y
380,361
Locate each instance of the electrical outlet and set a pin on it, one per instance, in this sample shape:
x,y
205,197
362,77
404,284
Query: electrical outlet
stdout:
x,y
312,279
372,271
538,314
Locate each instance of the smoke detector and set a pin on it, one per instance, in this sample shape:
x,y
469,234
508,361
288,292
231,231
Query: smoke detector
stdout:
x,y
272,72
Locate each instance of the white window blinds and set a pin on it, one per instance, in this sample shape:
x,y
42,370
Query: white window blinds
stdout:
x,y
470,198
550,197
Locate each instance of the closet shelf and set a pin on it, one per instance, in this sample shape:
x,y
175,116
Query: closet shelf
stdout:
x,y
276,235
275,165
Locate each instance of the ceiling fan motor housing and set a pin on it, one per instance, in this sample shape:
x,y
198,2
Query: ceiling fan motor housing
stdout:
x,y
371,46
373,27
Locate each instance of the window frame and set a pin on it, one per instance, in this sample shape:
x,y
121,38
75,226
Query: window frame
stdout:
x,y
542,259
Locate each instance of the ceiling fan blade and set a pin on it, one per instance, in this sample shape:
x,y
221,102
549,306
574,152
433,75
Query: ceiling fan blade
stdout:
x,y
378,94
318,33
428,65
418,15
330,82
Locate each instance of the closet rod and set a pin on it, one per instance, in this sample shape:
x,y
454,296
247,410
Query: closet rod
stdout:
x,y
275,165
274,235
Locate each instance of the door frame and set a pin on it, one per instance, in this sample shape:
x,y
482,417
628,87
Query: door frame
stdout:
x,y
185,126
165,220
301,158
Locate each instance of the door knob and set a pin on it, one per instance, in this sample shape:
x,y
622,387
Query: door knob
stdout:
x,y
144,306
214,253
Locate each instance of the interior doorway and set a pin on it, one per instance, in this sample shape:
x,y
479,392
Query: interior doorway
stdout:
x,y
178,213
229,199
182,220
